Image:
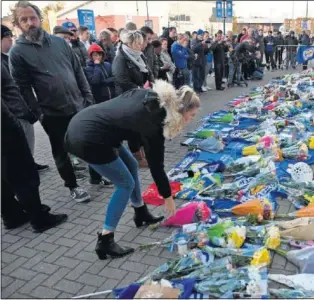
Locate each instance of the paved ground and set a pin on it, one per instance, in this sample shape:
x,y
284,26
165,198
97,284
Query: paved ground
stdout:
x,y
61,262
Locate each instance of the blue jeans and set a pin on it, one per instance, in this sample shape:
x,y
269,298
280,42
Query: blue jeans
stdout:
x,y
123,173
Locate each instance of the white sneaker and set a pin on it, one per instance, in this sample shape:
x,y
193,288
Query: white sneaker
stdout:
x,y
204,89
209,88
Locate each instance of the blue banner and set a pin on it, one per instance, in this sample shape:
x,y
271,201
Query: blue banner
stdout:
x,y
219,9
305,53
86,18
229,9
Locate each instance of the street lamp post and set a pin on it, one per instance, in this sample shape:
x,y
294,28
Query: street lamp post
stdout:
x,y
307,9
147,10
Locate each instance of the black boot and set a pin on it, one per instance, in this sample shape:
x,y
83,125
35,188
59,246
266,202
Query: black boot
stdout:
x,y
46,221
106,245
18,220
142,215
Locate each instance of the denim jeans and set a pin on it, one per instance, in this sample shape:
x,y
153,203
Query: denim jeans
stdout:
x,y
198,77
123,173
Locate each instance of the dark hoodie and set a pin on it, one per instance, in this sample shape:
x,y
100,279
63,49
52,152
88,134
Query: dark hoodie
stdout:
x,y
52,69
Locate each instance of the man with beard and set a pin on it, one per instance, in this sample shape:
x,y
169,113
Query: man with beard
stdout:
x,y
47,65
77,46
105,42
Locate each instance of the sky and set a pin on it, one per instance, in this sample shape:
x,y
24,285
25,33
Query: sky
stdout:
x,y
267,9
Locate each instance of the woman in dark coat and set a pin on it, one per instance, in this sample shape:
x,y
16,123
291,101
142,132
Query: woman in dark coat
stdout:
x,y
131,71
96,134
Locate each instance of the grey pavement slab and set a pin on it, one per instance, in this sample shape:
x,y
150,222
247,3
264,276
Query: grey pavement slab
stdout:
x,y
61,262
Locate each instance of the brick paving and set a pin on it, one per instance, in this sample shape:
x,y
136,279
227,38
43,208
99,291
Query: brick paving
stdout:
x,y
61,262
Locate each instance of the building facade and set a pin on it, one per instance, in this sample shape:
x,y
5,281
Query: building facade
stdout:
x,y
184,15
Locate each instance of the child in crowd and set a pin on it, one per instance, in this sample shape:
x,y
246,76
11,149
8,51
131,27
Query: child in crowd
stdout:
x,y
100,78
99,75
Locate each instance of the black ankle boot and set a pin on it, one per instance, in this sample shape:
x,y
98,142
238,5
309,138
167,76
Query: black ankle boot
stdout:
x,y
142,215
106,245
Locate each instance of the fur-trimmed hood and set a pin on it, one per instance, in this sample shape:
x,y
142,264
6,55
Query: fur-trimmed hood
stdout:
x,y
168,99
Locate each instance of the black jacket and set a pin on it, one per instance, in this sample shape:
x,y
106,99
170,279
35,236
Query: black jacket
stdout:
x,y
11,95
52,69
127,75
101,81
279,40
94,133
162,74
79,49
291,41
151,58
198,48
270,44
219,51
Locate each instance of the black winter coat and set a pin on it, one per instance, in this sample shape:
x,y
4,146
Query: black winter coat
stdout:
x,y
127,75
11,95
94,133
100,79
52,69
198,48
151,58
79,49
219,51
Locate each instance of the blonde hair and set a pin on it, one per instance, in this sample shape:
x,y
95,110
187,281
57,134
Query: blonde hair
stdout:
x,y
175,102
188,99
128,37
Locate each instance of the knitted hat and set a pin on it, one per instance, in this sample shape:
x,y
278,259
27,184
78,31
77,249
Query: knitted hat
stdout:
x,y
94,48
200,32
5,31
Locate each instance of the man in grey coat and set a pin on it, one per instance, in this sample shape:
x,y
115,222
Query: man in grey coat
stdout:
x,y
46,65
149,51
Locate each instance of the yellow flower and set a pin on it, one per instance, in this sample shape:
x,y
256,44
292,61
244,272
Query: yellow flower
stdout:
x,y
250,150
309,198
273,238
261,257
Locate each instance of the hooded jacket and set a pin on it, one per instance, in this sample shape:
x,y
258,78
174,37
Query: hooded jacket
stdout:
x,y
11,95
80,50
95,132
127,75
305,40
53,70
99,77
279,40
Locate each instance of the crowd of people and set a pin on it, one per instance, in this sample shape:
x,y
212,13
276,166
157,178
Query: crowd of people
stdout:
x,y
92,95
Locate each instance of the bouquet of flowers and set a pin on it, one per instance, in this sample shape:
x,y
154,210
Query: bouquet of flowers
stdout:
x,y
291,294
307,211
193,212
256,206
298,151
272,238
226,234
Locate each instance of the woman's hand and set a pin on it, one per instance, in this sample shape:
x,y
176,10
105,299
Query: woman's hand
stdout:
x,y
170,206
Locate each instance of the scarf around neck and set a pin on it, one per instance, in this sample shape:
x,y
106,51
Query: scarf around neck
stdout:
x,y
135,57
